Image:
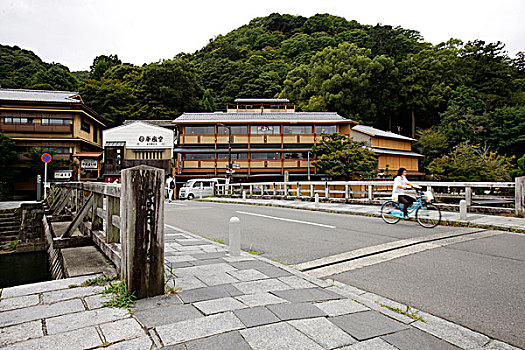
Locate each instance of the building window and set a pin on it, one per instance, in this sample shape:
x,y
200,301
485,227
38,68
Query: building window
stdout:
x,y
55,121
265,129
10,120
95,134
200,156
298,129
325,129
295,155
58,150
85,126
236,129
266,155
235,156
200,130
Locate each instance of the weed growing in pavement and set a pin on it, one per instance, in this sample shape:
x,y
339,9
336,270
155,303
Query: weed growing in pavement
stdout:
x,y
218,240
72,286
97,281
409,312
170,276
120,296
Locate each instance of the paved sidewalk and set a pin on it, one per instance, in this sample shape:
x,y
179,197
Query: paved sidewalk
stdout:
x,y
245,302
497,222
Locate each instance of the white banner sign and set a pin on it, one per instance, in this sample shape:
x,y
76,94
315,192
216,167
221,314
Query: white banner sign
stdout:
x,y
89,164
63,174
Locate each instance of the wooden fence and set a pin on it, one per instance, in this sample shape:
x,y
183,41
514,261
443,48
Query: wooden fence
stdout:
x,y
481,195
125,221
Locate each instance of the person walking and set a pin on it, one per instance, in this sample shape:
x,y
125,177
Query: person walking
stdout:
x,y
399,193
170,184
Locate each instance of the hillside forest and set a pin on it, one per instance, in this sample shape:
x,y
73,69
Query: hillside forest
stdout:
x,y
463,101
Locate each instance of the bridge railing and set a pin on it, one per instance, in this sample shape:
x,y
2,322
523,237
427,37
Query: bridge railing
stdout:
x,y
481,195
125,221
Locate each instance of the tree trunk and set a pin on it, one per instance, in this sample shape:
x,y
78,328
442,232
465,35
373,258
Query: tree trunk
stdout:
x,y
413,124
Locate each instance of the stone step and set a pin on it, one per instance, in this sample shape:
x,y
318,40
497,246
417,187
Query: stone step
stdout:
x,y
5,239
8,228
7,216
10,222
9,233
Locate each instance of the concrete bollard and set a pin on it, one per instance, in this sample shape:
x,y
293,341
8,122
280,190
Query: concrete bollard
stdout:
x,y
316,200
244,195
235,236
463,209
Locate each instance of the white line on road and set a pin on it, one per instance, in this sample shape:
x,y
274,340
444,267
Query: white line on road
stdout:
x,y
182,205
285,219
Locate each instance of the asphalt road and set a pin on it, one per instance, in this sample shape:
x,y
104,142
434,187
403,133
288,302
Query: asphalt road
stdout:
x,y
472,277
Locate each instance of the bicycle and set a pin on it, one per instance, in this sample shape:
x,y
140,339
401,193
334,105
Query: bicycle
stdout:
x,y
427,214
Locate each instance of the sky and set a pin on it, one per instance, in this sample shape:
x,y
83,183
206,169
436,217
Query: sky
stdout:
x,y
74,32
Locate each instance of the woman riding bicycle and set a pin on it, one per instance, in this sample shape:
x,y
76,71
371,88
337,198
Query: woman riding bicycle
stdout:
x,y
399,193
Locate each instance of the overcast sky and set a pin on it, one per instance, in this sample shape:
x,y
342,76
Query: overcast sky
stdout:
x,y
73,32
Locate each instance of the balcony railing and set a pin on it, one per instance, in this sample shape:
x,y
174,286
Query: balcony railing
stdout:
x,y
36,128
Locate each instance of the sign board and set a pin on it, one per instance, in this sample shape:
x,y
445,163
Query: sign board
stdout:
x,y
63,174
46,158
89,164
236,166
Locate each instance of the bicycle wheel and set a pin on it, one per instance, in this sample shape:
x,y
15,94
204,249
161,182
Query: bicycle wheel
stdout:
x,y
388,209
428,215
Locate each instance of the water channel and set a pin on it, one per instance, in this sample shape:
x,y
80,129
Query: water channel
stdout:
x,y
23,268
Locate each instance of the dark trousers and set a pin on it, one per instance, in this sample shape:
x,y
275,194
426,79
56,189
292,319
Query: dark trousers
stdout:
x,y
407,202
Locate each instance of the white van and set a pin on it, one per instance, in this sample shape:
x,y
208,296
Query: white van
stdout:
x,y
198,188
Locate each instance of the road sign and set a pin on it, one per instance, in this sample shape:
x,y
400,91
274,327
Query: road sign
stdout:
x,y
46,158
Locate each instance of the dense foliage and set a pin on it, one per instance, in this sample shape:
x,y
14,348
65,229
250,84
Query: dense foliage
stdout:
x,y
380,75
8,157
343,158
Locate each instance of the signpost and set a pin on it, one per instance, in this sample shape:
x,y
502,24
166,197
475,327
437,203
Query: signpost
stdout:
x,y
46,158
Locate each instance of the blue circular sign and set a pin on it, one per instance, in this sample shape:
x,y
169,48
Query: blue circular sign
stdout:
x,y
46,158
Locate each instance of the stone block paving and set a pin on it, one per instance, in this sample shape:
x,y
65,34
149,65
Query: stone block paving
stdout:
x,y
224,302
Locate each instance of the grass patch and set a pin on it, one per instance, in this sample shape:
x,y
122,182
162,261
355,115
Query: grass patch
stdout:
x,y
218,240
409,312
14,244
169,276
254,252
120,296
97,281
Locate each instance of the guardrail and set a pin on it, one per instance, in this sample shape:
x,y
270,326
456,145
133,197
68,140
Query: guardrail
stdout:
x,y
477,194
125,221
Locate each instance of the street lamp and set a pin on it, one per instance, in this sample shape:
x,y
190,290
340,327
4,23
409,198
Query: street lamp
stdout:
x,y
229,170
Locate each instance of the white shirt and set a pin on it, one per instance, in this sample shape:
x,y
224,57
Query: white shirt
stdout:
x,y
168,181
400,181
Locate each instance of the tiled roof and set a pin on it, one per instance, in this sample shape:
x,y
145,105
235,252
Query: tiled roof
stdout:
x,y
157,122
222,117
395,152
261,100
381,133
38,95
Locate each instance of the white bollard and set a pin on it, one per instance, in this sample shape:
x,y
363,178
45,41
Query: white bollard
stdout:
x,y
316,200
463,209
235,236
244,195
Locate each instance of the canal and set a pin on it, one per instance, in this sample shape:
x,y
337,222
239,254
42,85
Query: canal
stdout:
x,y
23,268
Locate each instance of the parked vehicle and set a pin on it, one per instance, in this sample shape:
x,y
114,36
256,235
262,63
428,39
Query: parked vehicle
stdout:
x,y
198,188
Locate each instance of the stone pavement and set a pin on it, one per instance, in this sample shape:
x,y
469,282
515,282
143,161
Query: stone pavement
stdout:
x,y
244,302
497,222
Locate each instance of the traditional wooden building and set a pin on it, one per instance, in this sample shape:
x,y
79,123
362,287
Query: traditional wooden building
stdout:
x,y
57,121
136,143
394,151
268,138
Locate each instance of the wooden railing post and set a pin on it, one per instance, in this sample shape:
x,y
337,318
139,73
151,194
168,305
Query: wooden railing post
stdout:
x,y
519,196
327,190
346,191
112,208
142,228
96,221
468,195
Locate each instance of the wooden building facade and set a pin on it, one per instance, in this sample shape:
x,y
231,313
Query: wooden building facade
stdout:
x,y
56,121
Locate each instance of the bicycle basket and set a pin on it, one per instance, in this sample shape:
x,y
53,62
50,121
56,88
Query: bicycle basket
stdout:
x,y
428,196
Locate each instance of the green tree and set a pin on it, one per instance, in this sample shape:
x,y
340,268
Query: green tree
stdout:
x,y
468,162
101,64
520,169
341,157
207,101
8,158
506,132
432,143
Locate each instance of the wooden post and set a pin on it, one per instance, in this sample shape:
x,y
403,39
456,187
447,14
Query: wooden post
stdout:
x,y
96,221
312,191
327,190
274,190
468,195
298,189
285,190
112,208
370,192
142,227
346,191
519,196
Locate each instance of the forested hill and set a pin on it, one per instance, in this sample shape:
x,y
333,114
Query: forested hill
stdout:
x,y
379,75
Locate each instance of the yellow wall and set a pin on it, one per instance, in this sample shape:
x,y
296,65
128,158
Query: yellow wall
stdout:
x,y
391,144
395,162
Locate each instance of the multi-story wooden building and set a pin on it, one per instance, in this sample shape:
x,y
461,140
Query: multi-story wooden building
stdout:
x,y
57,121
268,137
393,151
136,143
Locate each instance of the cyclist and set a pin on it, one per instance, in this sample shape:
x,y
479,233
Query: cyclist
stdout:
x,y
399,193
